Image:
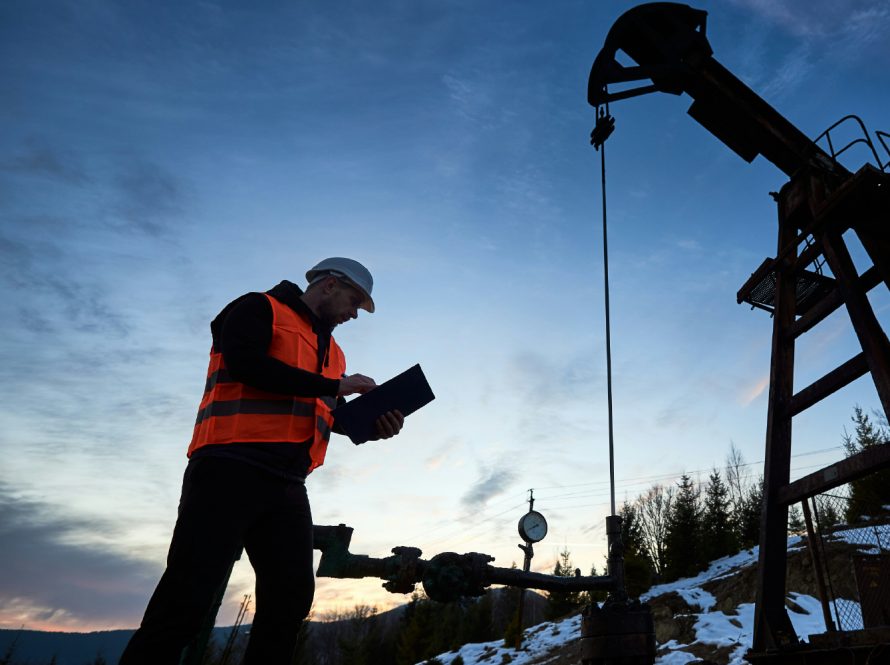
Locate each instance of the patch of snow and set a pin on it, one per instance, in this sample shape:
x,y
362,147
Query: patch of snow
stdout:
x,y
698,598
718,569
537,642
725,630
811,621
675,658
851,614
865,537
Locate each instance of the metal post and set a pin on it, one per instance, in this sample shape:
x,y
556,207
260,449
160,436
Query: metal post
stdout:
x,y
526,564
817,566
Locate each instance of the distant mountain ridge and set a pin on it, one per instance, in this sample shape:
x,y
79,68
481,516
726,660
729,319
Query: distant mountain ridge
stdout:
x,y
35,647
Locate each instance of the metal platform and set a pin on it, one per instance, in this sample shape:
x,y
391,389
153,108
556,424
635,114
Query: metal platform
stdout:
x,y
760,289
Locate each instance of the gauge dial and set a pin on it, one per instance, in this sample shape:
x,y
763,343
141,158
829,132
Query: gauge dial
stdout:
x,y
532,527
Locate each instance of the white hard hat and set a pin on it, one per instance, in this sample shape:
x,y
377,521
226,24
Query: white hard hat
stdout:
x,y
348,269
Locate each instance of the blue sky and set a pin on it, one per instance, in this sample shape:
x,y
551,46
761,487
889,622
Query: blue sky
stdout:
x,y
160,159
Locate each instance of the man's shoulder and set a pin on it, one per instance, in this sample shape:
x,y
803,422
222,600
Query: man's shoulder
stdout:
x,y
288,293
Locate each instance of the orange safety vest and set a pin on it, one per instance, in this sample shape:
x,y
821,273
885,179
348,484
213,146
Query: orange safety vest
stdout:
x,y
232,412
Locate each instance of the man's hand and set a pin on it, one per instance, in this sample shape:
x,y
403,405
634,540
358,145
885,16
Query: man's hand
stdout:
x,y
389,424
355,383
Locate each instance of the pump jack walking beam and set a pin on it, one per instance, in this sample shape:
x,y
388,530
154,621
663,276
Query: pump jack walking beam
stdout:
x,y
816,207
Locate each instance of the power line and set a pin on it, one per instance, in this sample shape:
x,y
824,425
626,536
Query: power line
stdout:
x,y
466,528
662,476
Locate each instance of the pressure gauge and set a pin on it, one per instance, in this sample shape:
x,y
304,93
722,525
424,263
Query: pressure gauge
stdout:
x,y
532,527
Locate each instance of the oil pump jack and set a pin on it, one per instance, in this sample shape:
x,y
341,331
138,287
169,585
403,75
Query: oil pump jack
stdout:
x,y
821,201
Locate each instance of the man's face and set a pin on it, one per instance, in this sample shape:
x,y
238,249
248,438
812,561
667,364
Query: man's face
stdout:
x,y
341,303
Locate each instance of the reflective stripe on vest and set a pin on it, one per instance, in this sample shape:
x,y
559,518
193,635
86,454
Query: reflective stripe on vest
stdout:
x,y
232,412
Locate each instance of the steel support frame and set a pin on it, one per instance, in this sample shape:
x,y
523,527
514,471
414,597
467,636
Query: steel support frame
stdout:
x,y
797,203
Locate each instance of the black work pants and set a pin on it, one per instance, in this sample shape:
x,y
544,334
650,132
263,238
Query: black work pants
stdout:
x,y
228,505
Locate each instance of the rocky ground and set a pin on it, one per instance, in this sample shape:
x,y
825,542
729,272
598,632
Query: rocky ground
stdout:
x,y
708,618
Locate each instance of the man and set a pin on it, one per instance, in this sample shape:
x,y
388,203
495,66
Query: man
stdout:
x,y
263,425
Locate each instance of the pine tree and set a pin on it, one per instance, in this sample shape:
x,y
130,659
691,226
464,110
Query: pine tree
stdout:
x,y
718,538
796,524
599,596
414,637
447,620
638,568
826,515
747,515
869,496
476,625
683,541
512,632
561,603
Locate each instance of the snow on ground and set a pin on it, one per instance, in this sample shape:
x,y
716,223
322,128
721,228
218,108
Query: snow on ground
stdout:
x,y
538,641
868,538
711,627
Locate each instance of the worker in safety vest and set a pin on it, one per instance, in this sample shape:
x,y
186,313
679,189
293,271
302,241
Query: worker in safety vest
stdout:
x,y
263,425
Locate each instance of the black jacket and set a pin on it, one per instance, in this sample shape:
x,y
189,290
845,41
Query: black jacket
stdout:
x,y
242,331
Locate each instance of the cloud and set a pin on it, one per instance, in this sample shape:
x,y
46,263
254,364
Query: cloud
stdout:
x,y
39,158
554,394
150,198
821,18
791,73
67,252
752,392
491,483
48,577
824,33
547,381
47,270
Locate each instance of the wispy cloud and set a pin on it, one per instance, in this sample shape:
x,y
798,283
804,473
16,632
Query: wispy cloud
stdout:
x,y
751,392
791,73
49,579
37,157
821,31
820,18
491,483
150,198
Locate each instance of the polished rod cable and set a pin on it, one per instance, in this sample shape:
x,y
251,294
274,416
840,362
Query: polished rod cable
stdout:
x,y
602,148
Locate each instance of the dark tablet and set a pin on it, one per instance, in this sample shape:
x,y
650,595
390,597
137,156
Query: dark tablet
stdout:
x,y
406,392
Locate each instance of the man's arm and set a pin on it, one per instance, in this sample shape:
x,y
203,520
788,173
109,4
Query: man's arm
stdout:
x,y
245,337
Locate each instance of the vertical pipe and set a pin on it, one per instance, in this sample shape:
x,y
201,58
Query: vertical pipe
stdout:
x,y
616,558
